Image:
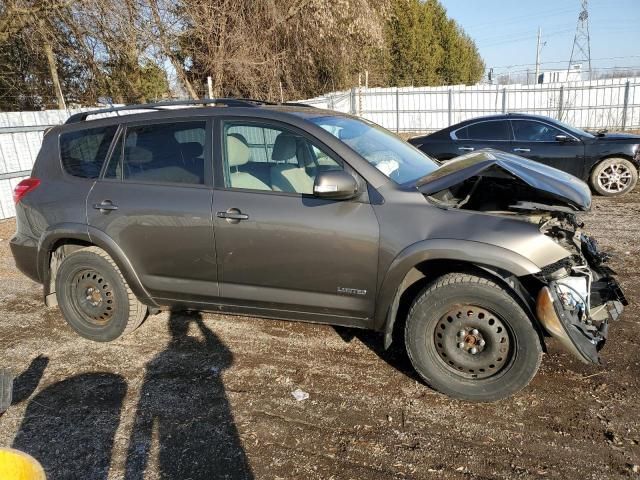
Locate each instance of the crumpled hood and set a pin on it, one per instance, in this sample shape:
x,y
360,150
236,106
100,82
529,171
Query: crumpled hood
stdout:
x,y
565,188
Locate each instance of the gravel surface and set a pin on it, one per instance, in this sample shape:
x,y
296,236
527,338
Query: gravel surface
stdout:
x,y
191,396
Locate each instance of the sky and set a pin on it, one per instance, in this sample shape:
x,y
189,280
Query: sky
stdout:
x,y
505,31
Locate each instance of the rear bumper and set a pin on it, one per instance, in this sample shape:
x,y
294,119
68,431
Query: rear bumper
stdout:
x,y
25,253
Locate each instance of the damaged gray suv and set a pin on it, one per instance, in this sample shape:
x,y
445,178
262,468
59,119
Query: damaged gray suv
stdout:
x,y
291,212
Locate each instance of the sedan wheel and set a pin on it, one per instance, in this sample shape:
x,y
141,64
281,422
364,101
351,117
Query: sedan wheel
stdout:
x,y
614,176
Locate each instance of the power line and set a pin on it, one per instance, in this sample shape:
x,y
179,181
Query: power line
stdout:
x,y
565,61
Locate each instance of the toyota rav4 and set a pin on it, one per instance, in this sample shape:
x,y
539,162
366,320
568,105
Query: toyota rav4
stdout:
x,y
291,212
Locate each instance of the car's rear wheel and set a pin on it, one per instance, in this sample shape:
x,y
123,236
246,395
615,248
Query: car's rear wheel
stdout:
x,y
467,337
614,176
94,296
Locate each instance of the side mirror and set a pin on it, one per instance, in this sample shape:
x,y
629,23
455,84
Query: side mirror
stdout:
x,y
335,185
562,138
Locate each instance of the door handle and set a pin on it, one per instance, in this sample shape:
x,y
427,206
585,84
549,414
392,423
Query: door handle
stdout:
x,y
466,149
522,150
233,215
105,206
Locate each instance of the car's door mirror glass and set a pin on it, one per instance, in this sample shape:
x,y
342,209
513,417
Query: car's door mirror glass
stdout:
x,y
335,185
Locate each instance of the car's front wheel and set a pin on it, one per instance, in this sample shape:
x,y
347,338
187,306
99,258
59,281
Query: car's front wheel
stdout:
x,y
614,176
467,337
94,297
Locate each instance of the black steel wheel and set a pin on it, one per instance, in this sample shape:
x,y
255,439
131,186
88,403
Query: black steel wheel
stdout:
x,y
469,338
94,297
473,341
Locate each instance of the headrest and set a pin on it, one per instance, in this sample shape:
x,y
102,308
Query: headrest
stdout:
x,y
191,149
240,137
284,148
137,155
237,152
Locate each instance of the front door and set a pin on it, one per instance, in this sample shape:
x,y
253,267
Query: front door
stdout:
x,y
154,201
538,141
280,249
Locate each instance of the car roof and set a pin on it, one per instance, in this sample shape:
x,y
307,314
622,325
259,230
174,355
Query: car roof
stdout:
x,y
502,116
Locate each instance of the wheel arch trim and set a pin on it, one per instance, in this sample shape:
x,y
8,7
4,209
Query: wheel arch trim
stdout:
x,y
84,233
469,252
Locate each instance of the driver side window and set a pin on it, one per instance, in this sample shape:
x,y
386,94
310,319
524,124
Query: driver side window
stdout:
x,y
531,131
261,157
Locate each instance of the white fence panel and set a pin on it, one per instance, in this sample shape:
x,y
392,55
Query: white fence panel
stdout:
x,y
610,103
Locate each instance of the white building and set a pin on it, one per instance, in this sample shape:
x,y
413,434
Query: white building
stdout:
x,y
574,74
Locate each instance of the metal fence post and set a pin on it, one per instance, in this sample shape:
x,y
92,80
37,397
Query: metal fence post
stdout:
x,y
450,117
397,110
504,100
626,105
560,102
352,98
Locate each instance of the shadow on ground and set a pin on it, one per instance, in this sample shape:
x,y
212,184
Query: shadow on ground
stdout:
x,y
183,420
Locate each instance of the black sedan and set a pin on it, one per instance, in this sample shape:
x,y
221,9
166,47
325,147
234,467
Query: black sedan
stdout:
x,y
608,162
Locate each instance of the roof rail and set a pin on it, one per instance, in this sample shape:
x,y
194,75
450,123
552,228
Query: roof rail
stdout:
x,y
224,102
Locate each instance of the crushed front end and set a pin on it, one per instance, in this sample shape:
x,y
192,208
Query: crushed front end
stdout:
x,y
580,295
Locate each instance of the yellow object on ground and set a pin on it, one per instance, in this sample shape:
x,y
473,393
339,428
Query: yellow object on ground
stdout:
x,y
15,465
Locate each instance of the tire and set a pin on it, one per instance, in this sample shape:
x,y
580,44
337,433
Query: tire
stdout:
x,y
94,297
614,176
508,348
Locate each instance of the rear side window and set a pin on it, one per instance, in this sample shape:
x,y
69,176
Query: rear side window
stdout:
x,y
82,152
161,153
499,130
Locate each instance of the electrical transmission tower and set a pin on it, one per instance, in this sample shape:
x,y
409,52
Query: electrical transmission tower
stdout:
x,y
581,50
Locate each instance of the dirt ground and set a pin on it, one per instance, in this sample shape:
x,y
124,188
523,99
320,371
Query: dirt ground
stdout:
x,y
191,396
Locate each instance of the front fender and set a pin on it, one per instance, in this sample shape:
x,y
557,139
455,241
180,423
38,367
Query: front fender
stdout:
x,y
466,251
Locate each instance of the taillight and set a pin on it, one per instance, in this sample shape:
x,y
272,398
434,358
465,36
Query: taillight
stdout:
x,y
24,187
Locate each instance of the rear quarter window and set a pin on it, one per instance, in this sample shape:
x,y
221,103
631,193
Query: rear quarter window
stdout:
x,y
83,152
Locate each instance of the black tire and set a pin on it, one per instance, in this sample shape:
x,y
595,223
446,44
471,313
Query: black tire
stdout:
x,y
94,297
508,348
614,176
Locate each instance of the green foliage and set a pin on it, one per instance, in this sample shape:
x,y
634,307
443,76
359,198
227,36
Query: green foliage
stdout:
x,y
427,48
127,49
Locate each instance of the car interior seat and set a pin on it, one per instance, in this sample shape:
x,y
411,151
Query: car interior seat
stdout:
x,y
238,155
287,176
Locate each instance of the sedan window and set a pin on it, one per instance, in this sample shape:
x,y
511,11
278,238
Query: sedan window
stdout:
x,y
494,130
531,131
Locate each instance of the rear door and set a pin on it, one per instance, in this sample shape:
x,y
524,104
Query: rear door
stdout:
x,y
539,141
483,134
280,249
154,199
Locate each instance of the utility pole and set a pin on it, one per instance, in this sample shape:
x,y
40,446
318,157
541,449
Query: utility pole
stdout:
x,y
581,50
538,56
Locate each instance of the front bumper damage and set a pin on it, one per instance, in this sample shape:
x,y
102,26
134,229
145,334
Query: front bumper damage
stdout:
x,y
579,300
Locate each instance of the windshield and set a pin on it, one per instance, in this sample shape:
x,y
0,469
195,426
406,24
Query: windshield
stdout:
x,y
398,160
